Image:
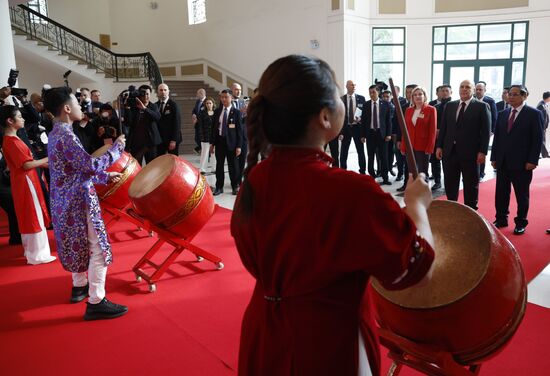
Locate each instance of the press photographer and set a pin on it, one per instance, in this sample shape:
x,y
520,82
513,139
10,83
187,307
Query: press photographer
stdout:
x,y
106,126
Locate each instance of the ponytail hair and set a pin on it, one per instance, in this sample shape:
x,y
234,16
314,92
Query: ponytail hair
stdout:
x,y
292,90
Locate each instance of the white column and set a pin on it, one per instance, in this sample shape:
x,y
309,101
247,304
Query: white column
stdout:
x,y
6,43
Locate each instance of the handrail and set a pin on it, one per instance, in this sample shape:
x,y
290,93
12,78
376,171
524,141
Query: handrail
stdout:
x,y
119,66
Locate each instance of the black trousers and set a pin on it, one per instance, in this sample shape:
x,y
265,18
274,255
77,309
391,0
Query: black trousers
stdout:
x,y
334,152
6,203
356,136
222,153
242,161
377,148
453,168
163,149
521,180
436,168
422,162
149,152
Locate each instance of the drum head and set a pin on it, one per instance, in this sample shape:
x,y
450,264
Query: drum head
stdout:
x,y
152,175
462,254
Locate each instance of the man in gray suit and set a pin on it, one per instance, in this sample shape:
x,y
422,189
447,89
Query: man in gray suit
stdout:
x,y
462,143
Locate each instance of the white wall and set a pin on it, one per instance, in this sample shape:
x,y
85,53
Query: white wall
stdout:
x,y
7,61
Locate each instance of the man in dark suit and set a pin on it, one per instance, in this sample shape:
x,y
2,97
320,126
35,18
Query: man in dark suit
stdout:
x,y
463,142
227,135
543,107
241,105
354,105
515,154
197,108
142,119
445,93
170,122
503,104
376,129
439,96
481,89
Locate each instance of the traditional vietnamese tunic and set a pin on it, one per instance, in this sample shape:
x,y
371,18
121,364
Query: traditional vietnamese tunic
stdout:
x,y
314,238
73,172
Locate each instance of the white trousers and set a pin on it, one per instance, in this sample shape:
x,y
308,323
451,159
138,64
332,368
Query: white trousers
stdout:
x,y
364,366
205,151
97,270
36,246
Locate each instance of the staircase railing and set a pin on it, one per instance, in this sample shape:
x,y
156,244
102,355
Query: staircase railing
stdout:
x,y
118,66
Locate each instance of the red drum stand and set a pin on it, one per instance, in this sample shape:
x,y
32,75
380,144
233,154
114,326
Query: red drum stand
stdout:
x,y
164,237
423,358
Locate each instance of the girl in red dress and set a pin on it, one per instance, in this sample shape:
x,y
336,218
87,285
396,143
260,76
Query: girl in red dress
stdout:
x,y
312,235
30,207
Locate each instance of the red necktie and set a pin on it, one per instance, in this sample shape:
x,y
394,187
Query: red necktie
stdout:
x,y
511,120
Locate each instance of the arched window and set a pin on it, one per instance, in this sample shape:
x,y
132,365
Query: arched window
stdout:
x,y
197,11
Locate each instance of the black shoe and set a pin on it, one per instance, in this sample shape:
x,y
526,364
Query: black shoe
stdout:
x,y
500,224
15,241
78,294
436,186
217,191
104,310
402,188
391,173
519,230
385,182
197,150
548,231
399,178
234,191
378,174
431,177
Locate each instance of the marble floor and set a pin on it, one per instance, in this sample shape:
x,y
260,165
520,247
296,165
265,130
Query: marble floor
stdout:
x,y
538,288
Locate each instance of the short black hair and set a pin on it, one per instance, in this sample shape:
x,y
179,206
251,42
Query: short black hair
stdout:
x,y
7,112
386,92
226,91
411,86
546,95
55,98
522,89
446,85
374,87
145,87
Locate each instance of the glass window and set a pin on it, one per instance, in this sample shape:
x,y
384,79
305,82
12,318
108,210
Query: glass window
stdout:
x,y
387,53
197,11
439,52
388,36
517,73
520,30
494,50
495,32
518,50
437,76
41,6
461,34
461,51
439,35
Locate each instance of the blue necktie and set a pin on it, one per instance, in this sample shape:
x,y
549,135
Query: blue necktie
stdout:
x,y
224,122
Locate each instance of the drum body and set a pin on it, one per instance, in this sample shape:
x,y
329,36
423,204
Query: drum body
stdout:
x,y
477,296
171,193
116,194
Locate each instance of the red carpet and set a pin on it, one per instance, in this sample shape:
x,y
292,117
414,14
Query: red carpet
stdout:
x,y
191,325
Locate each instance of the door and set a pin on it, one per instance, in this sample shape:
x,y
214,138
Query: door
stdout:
x,y
105,40
494,73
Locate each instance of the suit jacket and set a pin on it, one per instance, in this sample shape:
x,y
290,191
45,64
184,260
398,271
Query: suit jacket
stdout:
x,y
543,108
234,131
199,105
384,118
494,112
152,116
423,133
359,103
471,135
522,144
501,105
434,103
170,122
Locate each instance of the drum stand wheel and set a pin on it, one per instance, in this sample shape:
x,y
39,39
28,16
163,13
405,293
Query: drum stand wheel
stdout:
x,y
200,258
220,265
152,287
138,278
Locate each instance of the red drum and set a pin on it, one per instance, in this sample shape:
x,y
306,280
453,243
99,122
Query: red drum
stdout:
x,y
116,194
476,298
171,193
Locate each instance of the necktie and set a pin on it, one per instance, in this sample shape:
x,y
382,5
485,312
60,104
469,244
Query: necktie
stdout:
x,y
511,120
351,114
461,112
161,107
375,116
224,123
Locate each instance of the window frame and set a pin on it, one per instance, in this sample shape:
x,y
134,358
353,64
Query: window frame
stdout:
x,y
192,20
392,62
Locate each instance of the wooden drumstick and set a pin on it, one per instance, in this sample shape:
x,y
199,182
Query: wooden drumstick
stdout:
x,y
411,161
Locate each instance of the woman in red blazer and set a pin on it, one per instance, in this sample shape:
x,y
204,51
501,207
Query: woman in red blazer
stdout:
x,y
421,122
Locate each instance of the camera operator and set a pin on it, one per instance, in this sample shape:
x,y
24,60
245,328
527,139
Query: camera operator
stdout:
x,y
142,118
105,126
84,130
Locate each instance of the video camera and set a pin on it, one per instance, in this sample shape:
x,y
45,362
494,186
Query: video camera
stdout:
x,y
12,78
12,81
129,96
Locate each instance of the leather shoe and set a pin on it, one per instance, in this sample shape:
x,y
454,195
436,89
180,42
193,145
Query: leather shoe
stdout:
x,y
519,230
399,178
402,188
436,186
391,173
234,191
385,182
78,294
104,310
500,224
217,191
